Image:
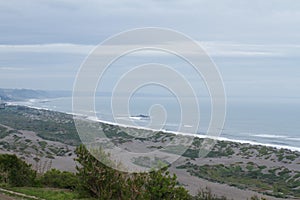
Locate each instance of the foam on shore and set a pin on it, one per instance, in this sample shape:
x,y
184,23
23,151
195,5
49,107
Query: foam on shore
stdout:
x,y
95,119
195,135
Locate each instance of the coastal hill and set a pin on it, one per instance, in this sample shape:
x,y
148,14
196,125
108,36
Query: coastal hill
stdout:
x,y
25,94
48,139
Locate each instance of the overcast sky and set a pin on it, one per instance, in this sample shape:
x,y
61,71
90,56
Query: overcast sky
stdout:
x,y
255,43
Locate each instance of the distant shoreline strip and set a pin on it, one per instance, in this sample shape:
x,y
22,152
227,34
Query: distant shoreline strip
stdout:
x,y
162,130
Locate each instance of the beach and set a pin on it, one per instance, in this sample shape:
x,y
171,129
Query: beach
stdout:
x,y
258,166
248,128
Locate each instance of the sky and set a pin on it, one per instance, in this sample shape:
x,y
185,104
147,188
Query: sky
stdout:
x,y
254,43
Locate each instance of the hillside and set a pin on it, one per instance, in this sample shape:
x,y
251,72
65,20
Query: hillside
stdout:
x,y
25,94
47,140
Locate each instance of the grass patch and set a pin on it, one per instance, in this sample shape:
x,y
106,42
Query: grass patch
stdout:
x,y
43,144
47,193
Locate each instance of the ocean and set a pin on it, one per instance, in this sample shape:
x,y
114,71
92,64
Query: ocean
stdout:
x,y
273,122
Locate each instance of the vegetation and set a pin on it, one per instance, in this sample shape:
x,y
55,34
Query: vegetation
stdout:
x,y
207,195
58,179
47,193
95,180
103,182
48,125
3,132
279,181
145,161
15,172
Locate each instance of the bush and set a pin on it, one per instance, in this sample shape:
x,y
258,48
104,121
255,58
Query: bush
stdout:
x,y
15,172
100,181
207,195
58,179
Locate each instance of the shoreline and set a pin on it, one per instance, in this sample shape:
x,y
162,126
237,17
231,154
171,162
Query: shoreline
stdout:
x,y
162,130
244,158
193,135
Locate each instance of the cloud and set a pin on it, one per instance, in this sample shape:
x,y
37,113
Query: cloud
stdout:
x,y
89,22
213,48
48,48
232,49
13,68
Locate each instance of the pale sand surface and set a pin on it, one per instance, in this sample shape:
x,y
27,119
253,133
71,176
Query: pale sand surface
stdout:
x,y
64,163
192,183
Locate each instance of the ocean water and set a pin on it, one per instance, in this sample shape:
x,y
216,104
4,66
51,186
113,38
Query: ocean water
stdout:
x,y
255,120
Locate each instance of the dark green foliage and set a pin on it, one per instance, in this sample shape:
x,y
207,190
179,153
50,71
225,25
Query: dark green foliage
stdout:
x,y
42,144
161,185
103,182
281,181
191,153
54,126
58,179
147,162
15,172
3,132
220,153
222,149
96,178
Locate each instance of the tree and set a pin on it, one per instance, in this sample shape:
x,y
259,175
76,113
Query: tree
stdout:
x,y
96,178
161,185
103,182
15,171
58,179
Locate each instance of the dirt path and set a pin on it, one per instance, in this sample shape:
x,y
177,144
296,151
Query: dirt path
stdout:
x,y
4,197
15,194
8,128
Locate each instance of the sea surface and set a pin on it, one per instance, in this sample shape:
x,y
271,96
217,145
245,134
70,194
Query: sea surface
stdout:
x,y
270,121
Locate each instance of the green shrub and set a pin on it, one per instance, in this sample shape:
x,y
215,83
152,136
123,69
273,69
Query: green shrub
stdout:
x,y
58,179
15,171
100,181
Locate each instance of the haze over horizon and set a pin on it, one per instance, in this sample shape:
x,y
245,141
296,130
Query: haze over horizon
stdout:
x,y
255,44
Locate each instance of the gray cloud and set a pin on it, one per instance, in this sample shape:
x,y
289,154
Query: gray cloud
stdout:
x,y
13,68
91,21
255,43
214,48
